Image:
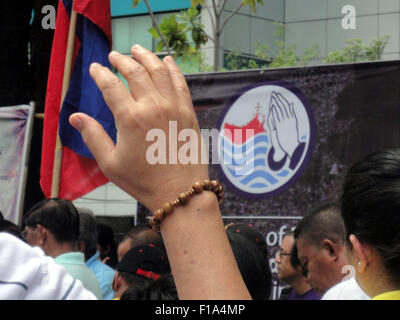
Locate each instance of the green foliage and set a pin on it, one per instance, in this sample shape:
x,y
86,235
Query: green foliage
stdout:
x,y
252,3
174,33
234,61
195,27
195,3
283,56
355,51
175,30
195,63
135,3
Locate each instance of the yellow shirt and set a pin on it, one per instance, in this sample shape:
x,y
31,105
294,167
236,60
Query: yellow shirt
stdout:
x,y
391,295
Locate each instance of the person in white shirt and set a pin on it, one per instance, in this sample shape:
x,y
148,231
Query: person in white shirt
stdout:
x,y
346,290
27,274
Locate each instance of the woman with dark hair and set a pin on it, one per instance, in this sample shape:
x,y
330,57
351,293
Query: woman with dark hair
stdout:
x,y
161,289
253,266
371,214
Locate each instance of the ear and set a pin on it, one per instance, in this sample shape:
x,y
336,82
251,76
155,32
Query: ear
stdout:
x,y
331,248
42,235
116,282
362,252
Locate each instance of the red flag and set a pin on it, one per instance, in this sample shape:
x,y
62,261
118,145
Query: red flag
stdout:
x,y
80,173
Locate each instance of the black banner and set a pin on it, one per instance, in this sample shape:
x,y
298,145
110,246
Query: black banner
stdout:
x,y
308,126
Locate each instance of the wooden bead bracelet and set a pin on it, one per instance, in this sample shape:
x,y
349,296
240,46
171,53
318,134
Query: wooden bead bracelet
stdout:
x,y
183,198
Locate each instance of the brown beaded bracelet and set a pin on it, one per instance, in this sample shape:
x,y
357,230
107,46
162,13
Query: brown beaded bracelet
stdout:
x,y
183,198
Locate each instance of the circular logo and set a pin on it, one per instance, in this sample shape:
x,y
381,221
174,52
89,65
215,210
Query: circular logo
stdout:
x,y
267,137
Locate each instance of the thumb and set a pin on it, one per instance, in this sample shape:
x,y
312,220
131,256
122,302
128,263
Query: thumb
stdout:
x,y
94,136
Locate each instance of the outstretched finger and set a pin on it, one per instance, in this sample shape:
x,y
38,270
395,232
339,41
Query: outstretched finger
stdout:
x,y
157,70
179,81
96,139
139,81
114,92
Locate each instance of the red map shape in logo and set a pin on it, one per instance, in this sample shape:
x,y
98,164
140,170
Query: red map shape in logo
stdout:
x,y
254,125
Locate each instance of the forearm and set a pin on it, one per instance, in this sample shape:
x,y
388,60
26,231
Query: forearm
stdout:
x,y
202,261
203,264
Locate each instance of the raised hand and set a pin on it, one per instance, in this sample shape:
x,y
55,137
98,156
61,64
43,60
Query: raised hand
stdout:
x,y
158,93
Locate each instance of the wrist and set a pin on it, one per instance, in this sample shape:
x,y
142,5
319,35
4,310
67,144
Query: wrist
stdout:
x,y
186,198
201,209
166,184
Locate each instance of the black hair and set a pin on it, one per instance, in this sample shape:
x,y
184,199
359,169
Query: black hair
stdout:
x,y
370,206
143,234
13,229
88,232
106,239
59,216
9,227
253,266
2,222
322,222
295,262
132,279
160,289
252,233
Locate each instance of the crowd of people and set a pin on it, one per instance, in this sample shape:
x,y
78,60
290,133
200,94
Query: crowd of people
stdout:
x,y
349,249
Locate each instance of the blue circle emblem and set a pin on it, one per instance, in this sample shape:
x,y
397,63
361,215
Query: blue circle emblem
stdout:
x,y
267,134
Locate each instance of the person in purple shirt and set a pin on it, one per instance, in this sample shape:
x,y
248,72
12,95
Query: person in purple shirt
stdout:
x,y
289,271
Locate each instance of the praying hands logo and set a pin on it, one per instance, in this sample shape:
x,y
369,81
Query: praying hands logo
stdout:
x,y
268,137
284,133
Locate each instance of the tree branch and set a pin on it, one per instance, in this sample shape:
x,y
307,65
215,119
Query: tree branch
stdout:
x,y
211,38
211,18
230,16
153,19
222,7
215,8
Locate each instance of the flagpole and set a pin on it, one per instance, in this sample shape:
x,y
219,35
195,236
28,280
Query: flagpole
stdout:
x,y
55,184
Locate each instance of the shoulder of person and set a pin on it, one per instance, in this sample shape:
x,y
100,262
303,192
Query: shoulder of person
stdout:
x,y
346,290
26,273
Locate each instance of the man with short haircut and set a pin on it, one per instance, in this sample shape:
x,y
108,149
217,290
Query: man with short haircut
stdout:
x,y
298,288
88,245
139,235
53,225
320,239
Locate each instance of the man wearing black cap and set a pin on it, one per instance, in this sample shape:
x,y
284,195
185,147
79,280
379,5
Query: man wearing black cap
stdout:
x,y
139,266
